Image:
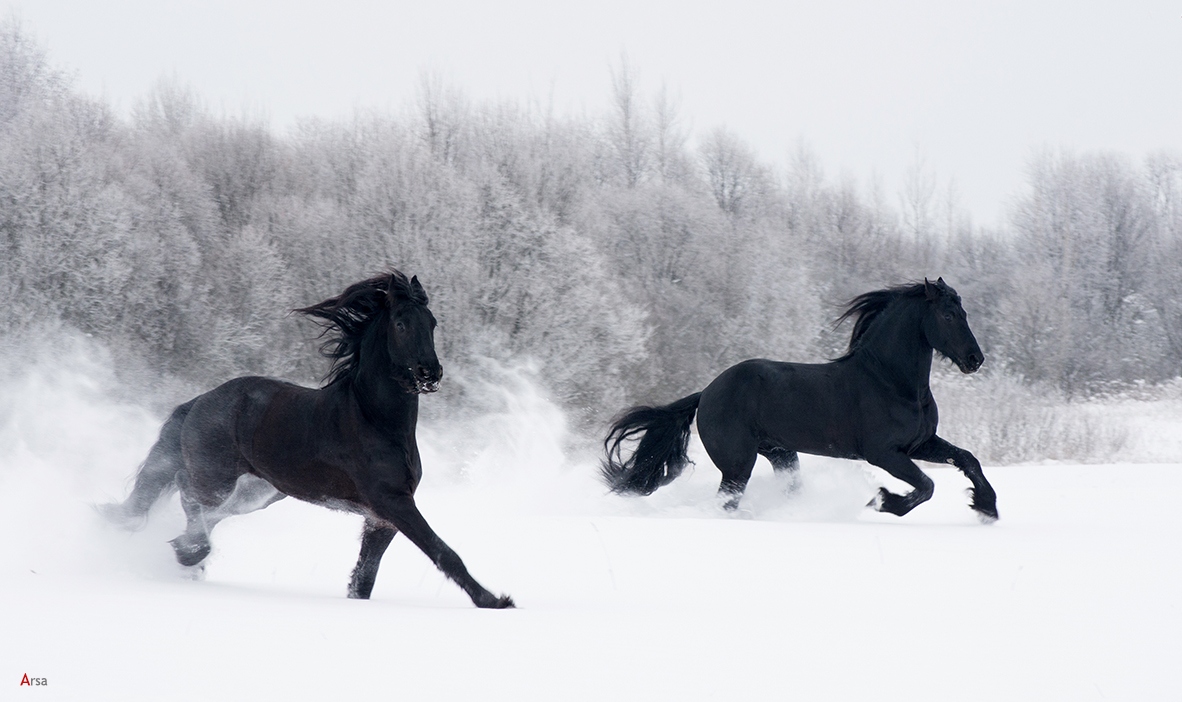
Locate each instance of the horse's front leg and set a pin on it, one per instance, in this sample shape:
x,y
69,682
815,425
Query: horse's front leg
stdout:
x,y
374,539
401,512
900,466
984,499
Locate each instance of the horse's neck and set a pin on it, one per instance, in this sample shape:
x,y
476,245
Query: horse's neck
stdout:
x,y
896,347
385,403
382,400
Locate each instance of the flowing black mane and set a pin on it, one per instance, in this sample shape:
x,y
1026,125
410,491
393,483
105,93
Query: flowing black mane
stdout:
x,y
347,318
867,307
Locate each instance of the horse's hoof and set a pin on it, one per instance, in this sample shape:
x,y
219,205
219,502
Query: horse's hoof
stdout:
x,y
986,515
502,602
889,502
189,554
732,503
740,513
879,501
195,573
986,509
359,591
791,485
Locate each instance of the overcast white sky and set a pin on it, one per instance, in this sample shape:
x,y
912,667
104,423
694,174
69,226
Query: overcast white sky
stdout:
x,y
976,88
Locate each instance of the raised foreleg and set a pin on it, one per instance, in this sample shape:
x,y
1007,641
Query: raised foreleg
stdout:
x,y
900,466
984,499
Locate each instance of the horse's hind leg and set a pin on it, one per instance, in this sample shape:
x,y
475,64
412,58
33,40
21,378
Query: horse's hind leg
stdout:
x,y
726,435
155,477
984,498
192,546
735,474
375,538
249,494
734,454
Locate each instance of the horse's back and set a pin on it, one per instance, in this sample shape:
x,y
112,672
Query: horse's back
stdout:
x,y
234,406
218,431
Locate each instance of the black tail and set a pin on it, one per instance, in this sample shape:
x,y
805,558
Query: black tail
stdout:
x,y
157,474
661,456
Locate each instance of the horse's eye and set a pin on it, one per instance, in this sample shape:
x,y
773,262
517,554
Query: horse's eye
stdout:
x,y
947,316
400,326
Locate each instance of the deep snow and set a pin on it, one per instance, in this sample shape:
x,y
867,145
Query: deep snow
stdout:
x,y
1073,595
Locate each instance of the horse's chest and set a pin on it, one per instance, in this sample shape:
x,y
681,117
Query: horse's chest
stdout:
x,y
414,469
916,424
397,461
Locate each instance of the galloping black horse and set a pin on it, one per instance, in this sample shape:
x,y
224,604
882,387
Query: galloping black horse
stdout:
x,y
873,403
349,445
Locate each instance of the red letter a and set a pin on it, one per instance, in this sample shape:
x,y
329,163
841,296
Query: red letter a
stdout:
x,y
25,681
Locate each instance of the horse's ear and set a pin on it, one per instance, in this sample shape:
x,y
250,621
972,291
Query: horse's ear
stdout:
x,y
940,282
416,289
931,291
391,286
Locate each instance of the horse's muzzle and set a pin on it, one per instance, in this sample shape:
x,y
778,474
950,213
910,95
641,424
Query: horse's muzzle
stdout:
x,y
972,363
427,379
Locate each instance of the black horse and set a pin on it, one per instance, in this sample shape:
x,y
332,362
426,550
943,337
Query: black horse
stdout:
x,y
873,403
349,445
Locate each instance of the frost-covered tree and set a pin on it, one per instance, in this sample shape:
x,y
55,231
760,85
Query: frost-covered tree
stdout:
x,y
628,136
628,266
732,171
1084,242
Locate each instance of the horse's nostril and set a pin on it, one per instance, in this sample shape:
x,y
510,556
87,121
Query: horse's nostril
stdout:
x,y
427,373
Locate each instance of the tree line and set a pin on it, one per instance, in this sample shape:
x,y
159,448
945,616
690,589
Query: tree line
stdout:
x,y
629,260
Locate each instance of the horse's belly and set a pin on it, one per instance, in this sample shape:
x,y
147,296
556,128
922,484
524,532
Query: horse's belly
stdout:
x,y
311,481
811,423
818,442
306,461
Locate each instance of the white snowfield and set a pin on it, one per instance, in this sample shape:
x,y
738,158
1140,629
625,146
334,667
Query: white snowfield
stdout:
x,y
1073,595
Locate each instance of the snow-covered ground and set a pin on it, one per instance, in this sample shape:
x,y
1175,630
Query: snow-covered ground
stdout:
x,y
1072,595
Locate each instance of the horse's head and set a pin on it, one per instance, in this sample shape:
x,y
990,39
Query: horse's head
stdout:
x,y
947,328
410,336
